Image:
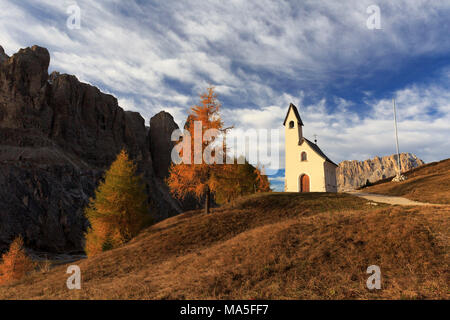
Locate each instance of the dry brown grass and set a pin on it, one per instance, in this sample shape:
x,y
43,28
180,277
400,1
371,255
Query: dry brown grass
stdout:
x,y
274,246
428,183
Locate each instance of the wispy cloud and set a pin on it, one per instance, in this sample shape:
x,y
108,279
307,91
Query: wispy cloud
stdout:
x,y
261,56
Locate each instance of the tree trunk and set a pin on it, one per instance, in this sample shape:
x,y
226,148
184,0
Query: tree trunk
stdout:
x,y
207,201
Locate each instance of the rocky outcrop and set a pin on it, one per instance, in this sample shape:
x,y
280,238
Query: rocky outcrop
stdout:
x,y
160,132
57,137
353,174
3,55
161,127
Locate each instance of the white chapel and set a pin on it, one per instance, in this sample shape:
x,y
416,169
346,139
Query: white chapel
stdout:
x,y
307,168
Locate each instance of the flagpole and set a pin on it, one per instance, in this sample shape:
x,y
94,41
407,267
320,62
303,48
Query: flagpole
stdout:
x,y
396,138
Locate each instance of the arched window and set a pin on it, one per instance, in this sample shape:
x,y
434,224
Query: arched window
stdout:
x,y
291,124
303,156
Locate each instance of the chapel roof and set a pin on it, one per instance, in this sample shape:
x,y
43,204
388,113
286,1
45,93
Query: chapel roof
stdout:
x,y
316,148
297,115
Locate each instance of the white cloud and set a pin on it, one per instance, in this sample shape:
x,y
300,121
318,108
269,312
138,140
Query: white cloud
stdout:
x,y
344,134
160,56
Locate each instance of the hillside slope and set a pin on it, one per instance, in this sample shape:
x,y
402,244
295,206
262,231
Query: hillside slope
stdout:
x,y
428,183
274,246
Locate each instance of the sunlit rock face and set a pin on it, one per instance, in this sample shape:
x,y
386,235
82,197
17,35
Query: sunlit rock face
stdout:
x,y
353,174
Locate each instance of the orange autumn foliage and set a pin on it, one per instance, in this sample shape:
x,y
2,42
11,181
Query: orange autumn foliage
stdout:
x,y
262,182
243,179
200,179
15,263
119,210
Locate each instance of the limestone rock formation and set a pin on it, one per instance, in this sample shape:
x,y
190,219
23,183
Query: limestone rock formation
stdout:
x,y
160,132
161,127
57,137
353,174
3,55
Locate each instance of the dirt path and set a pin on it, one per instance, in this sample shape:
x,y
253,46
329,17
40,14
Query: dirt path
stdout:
x,y
391,199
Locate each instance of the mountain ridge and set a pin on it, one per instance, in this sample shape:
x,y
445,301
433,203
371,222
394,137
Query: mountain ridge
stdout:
x,y
57,137
352,174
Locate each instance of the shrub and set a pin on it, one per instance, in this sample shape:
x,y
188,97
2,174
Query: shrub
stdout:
x,y
15,263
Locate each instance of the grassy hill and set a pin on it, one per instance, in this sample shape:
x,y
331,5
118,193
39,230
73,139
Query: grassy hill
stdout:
x,y
427,183
268,246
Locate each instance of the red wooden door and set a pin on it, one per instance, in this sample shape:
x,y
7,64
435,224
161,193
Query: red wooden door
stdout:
x,y
304,183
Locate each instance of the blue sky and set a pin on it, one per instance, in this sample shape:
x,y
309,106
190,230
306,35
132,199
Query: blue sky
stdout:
x,y
262,55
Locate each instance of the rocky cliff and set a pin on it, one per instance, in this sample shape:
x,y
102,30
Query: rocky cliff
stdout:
x,y
353,174
57,137
161,127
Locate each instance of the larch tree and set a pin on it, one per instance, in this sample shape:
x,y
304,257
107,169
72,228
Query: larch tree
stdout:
x,y
15,263
236,182
243,179
200,178
120,207
261,181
